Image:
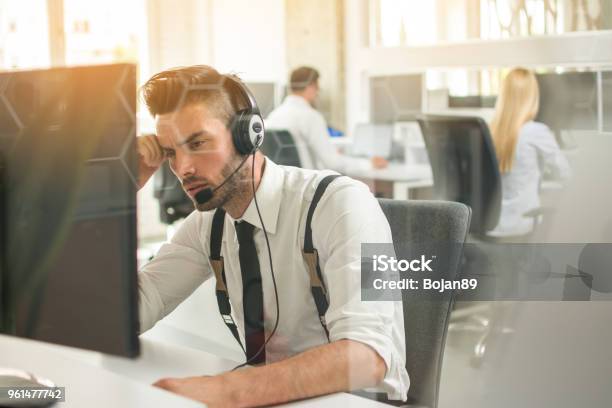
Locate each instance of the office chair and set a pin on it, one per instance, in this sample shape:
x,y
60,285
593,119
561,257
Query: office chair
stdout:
x,y
465,169
279,146
425,223
174,204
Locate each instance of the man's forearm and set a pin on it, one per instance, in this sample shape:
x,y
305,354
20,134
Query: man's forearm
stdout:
x,y
339,366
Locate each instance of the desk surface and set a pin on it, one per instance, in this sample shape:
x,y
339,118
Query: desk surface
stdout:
x,y
97,380
396,172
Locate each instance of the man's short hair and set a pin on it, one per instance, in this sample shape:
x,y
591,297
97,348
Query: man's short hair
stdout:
x,y
171,90
302,77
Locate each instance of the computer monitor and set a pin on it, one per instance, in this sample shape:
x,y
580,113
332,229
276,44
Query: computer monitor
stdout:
x,y
372,140
396,98
472,101
67,144
568,102
265,94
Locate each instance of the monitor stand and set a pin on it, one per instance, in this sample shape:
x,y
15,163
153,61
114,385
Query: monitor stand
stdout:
x,y
13,378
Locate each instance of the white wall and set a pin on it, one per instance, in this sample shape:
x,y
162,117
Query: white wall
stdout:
x,y
249,38
179,35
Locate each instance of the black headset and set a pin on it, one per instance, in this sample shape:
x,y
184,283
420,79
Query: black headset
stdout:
x,y
247,125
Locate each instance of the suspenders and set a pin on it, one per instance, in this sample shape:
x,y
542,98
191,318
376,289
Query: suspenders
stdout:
x,y
311,257
216,260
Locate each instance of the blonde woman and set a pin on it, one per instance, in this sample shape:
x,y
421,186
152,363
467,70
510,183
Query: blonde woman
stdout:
x,y
525,149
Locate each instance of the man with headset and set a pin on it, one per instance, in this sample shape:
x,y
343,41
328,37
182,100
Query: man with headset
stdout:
x,y
286,260
298,115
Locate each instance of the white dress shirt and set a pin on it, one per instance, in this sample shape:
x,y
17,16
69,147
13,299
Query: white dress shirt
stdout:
x,y
347,215
309,129
536,152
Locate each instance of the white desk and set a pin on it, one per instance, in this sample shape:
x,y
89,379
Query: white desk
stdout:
x,y
403,177
95,380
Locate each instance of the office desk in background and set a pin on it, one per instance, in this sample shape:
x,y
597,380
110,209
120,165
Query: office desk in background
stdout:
x,y
401,177
398,181
95,380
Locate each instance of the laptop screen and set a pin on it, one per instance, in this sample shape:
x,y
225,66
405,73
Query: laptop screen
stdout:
x,y
372,140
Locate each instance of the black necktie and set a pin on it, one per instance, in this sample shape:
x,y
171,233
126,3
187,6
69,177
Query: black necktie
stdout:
x,y
252,294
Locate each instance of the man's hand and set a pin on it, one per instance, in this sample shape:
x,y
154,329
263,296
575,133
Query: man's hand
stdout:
x,y
150,156
213,391
150,151
379,162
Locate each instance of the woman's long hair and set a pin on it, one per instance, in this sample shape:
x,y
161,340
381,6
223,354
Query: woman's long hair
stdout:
x,y
517,104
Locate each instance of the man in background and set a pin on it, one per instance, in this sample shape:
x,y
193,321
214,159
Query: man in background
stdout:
x,y
299,116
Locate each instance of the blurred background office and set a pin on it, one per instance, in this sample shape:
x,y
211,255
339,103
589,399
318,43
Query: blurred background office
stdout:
x,y
384,65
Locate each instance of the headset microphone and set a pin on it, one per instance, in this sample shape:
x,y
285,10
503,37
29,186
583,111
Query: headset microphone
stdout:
x,y
204,195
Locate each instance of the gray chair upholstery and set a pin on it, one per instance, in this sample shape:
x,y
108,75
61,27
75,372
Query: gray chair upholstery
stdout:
x,y
279,146
426,321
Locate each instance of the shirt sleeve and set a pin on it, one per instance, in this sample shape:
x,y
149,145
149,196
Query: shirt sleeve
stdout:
x,y
551,158
343,221
177,270
323,150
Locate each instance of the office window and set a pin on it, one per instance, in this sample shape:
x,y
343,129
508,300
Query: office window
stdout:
x,y
24,34
408,22
414,23
465,82
104,31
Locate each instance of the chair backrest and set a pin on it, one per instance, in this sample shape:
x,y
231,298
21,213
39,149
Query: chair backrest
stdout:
x,y
464,166
426,321
280,147
174,203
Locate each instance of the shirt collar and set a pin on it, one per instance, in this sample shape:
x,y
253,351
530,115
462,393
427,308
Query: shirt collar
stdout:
x,y
269,194
297,100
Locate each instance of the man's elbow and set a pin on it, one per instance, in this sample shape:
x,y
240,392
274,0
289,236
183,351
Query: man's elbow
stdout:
x,y
376,366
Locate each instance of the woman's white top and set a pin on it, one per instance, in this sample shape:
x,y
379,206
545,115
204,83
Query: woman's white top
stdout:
x,y
537,152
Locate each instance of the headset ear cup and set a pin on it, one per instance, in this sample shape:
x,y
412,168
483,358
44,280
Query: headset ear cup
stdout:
x,y
247,132
256,131
240,133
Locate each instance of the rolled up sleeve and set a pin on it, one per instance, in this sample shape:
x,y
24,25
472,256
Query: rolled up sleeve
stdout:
x,y
343,223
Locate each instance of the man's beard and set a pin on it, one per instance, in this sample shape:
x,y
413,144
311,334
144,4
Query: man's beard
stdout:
x,y
235,186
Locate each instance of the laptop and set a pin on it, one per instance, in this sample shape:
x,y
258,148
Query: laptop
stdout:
x,y
372,139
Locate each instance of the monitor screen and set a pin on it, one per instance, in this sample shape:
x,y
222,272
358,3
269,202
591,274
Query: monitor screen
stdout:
x,y
395,98
372,140
67,141
568,101
472,101
265,95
